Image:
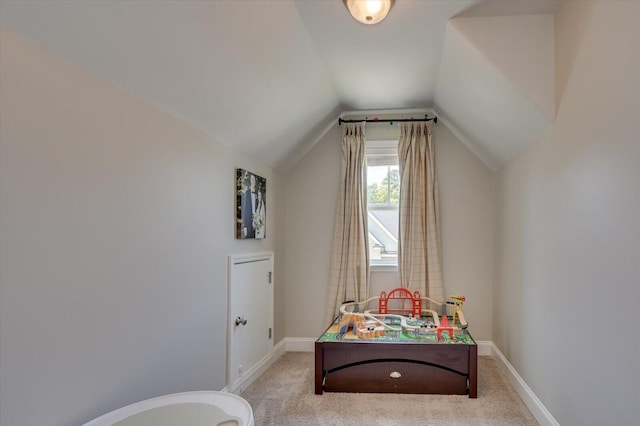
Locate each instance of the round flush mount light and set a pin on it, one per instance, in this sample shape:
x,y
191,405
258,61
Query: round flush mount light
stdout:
x,y
369,11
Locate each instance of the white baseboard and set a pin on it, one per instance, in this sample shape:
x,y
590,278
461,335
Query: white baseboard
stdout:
x,y
307,344
288,344
300,344
485,348
251,375
539,411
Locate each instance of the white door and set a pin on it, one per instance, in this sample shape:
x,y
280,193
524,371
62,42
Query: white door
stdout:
x,y
250,327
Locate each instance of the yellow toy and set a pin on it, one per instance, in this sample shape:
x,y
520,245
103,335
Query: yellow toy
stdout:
x,y
458,308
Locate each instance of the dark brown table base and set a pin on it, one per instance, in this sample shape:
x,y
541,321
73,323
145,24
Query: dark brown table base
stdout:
x,y
396,368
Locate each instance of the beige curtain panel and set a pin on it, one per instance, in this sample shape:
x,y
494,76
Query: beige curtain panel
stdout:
x,y
419,241
349,279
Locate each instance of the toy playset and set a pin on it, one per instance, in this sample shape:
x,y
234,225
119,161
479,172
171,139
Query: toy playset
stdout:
x,y
399,345
401,315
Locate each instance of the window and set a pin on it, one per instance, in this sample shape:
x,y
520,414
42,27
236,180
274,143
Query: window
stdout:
x,y
383,195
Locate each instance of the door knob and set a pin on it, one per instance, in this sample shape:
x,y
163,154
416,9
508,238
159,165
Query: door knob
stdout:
x,y
241,321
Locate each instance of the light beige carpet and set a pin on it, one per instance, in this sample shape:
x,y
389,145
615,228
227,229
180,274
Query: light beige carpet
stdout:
x,y
284,396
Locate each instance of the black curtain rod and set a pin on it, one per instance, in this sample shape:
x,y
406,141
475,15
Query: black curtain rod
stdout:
x,y
387,120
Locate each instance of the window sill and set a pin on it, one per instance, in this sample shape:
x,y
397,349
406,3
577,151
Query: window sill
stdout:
x,y
383,268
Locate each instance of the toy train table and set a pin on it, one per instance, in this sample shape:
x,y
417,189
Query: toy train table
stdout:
x,y
398,350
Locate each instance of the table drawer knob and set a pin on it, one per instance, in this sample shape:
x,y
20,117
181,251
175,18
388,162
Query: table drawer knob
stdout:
x,y
395,375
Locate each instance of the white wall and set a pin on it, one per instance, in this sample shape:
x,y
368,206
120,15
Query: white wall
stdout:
x,y
467,228
116,223
568,229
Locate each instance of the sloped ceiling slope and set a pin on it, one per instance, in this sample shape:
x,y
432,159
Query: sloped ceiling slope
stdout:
x,y
390,65
490,95
244,72
270,76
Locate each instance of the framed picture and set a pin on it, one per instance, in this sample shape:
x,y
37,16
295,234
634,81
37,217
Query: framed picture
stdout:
x,y
251,205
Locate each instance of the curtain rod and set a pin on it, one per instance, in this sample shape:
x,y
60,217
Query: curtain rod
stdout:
x,y
386,120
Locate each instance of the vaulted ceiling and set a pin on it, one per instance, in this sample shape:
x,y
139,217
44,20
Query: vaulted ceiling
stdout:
x,y
269,76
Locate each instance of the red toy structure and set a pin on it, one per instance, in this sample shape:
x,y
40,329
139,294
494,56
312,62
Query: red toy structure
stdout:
x,y
371,324
400,294
444,326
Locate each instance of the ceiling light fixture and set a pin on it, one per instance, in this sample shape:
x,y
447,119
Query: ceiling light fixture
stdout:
x,y
369,11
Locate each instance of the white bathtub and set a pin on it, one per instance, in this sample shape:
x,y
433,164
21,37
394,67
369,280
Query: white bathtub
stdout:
x,y
210,408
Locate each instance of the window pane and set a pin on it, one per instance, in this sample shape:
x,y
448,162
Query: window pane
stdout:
x,y
383,194
383,184
383,235
383,189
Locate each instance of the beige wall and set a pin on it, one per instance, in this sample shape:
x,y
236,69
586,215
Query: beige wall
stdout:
x,y
466,197
311,190
117,220
467,228
525,57
568,229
